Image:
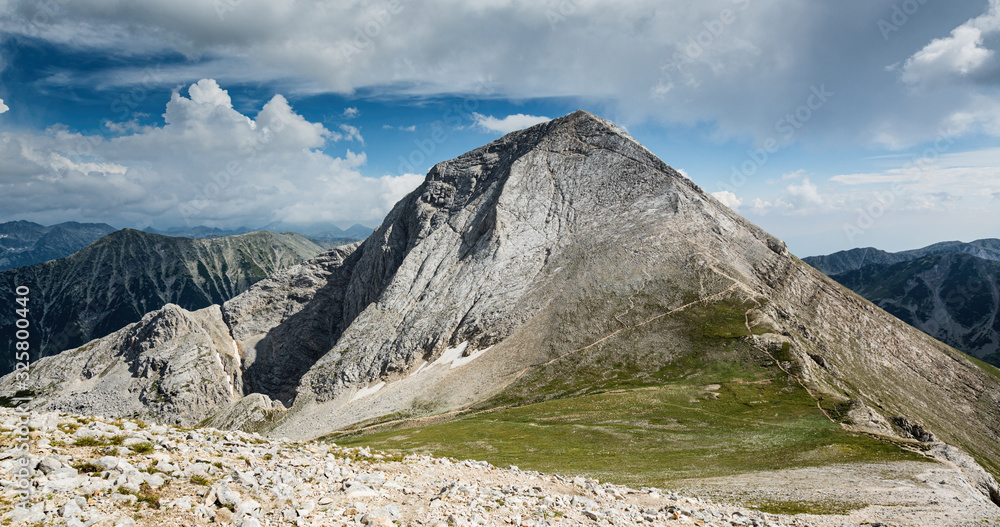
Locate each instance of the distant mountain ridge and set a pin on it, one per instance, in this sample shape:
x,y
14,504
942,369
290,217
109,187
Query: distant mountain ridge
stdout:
x,y
949,290
324,235
199,231
322,232
25,243
121,277
954,297
853,259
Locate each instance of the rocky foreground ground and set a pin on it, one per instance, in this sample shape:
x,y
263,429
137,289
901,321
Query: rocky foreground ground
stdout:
x,y
94,471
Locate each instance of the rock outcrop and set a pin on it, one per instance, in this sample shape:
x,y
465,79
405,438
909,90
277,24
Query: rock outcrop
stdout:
x,y
174,365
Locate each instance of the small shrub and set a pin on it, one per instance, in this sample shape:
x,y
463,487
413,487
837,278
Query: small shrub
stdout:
x,y
198,479
89,441
145,495
87,468
142,448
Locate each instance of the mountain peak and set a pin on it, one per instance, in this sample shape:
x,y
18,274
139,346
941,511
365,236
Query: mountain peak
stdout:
x,y
591,144
578,123
583,116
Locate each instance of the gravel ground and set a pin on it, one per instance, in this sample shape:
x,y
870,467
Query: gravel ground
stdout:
x,y
133,474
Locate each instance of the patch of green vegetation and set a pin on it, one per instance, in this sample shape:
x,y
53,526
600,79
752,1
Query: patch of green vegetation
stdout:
x,y
805,507
652,436
665,396
701,340
838,408
157,394
88,441
145,495
198,479
69,428
117,440
985,366
142,448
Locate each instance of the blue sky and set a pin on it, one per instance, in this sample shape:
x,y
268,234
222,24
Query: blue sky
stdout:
x,y
830,124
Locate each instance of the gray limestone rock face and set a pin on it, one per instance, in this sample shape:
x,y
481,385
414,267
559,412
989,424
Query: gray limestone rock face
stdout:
x,y
174,365
285,323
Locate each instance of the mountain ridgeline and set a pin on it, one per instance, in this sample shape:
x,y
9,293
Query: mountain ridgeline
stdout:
x,y
126,274
324,235
854,259
567,264
949,290
25,243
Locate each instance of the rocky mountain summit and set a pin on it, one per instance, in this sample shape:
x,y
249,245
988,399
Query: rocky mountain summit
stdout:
x,y
558,262
123,473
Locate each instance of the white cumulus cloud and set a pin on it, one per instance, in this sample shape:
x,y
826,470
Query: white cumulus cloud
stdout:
x,y
728,199
959,55
207,91
508,124
3,107
208,164
805,193
352,133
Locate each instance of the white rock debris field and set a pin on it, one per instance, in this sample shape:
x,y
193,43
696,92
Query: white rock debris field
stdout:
x,y
101,472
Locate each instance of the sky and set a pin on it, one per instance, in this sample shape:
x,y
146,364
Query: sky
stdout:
x,y
832,125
